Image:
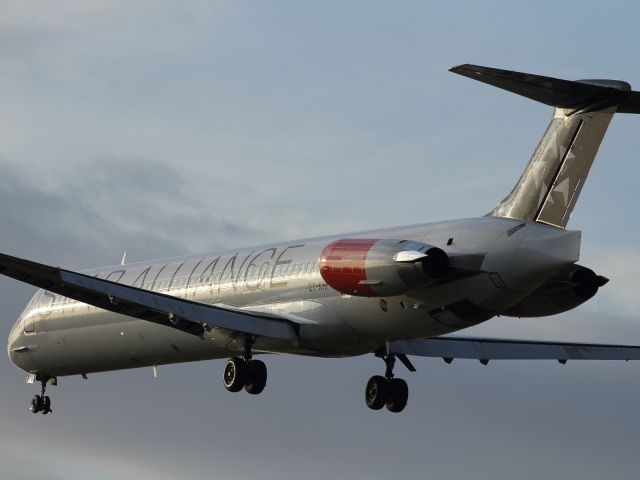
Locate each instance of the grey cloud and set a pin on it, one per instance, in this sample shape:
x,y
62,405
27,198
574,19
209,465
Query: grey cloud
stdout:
x,y
311,422
88,213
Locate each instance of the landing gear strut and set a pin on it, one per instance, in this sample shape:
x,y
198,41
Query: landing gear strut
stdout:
x,y
42,403
387,390
244,372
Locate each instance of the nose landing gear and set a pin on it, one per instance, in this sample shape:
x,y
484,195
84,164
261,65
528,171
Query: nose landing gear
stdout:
x,y
387,390
42,403
244,372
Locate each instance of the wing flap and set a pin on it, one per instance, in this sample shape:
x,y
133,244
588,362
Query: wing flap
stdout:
x,y
185,315
499,349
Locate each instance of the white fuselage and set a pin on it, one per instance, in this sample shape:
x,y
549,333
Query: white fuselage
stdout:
x,y
506,260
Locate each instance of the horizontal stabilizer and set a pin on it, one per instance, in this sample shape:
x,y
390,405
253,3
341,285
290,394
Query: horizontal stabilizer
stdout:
x,y
580,95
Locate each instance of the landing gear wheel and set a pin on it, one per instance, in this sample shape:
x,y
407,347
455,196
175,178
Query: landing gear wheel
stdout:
x,y
244,372
256,377
36,404
46,405
235,374
387,390
397,395
42,403
376,392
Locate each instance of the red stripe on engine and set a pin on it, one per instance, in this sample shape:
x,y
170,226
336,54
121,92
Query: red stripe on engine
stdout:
x,y
342,265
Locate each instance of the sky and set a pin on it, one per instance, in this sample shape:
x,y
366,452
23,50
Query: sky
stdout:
x,y
167,128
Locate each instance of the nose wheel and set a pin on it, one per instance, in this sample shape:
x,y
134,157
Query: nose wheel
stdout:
x,y
42,403
387,391
245,372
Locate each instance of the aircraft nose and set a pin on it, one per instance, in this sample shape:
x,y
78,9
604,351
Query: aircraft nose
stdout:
x,y
11,343
16,349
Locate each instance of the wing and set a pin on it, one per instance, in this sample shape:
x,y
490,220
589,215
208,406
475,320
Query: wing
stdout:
x,y
185,315
485,349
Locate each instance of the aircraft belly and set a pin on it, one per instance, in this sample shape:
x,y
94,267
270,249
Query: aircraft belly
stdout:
x,y
110,341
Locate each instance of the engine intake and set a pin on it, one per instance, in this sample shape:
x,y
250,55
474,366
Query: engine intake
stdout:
x,y
381,268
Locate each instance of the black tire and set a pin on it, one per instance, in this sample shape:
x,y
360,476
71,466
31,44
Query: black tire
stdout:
x,y
376,392
46,405
256,377
235,374
398,395
36,404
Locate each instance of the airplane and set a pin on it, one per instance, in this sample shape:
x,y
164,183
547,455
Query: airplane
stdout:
x,y
393,292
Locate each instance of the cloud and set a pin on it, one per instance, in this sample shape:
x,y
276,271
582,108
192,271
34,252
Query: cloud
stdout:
x,y
311,421
67,460
87,214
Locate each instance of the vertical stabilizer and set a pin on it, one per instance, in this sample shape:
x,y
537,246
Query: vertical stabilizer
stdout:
x,y
551,183
553,179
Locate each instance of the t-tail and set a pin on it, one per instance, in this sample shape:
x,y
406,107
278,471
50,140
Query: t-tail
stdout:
x,y
551,183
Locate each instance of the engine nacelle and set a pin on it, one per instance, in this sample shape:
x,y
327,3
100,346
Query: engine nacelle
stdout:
x,y
381,268
563,292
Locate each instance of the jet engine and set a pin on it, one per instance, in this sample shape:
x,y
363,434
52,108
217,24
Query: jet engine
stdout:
x,y
380,268
561,293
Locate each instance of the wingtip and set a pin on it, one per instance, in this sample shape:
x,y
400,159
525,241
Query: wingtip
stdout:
x,y
470,69
457,67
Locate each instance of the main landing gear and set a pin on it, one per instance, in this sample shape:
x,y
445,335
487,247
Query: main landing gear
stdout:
x,y
42,403
387,390
244,372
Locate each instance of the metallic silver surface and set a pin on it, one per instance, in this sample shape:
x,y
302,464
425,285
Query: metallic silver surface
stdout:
x,y
550,185
283,281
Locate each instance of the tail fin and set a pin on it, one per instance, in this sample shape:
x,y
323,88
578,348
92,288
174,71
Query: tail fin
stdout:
x,y
551,183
